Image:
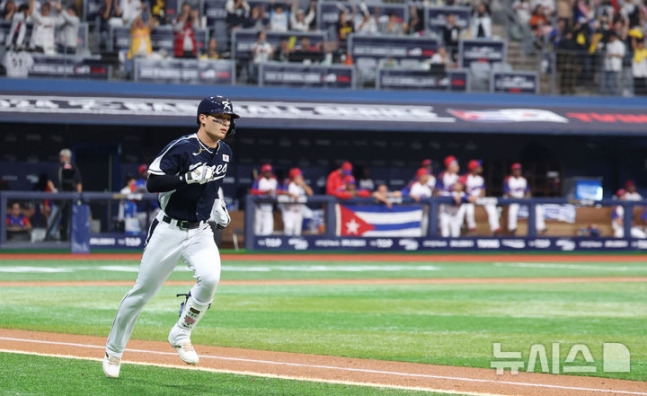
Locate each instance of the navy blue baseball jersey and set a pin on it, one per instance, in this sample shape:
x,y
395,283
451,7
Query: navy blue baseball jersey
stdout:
x,y
191,202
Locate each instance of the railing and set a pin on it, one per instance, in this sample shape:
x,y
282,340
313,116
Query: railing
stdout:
x,y
95,222
432,204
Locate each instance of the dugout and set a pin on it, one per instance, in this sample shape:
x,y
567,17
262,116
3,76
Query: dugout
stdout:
x,y
114,127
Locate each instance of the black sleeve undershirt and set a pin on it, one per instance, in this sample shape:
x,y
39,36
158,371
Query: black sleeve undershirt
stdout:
x,y
163,183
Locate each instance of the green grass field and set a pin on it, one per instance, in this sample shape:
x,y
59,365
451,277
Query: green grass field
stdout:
x,y
448,324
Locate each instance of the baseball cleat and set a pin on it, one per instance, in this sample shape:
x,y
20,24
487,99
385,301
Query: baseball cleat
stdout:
x,y
111,366
187,353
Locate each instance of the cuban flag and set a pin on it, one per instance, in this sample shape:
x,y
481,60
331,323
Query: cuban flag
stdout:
x,y
378,221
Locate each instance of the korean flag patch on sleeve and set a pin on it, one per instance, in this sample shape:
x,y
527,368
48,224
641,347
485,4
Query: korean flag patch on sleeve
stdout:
x,y
225,157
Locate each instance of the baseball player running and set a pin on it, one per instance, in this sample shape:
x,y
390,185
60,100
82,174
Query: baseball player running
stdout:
x,y
265,185
475,187
516,186
187,174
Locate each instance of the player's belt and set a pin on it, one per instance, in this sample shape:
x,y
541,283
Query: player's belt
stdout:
x,y
181,224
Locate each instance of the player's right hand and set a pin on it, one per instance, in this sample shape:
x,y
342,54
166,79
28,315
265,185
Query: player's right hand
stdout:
x,y
200,175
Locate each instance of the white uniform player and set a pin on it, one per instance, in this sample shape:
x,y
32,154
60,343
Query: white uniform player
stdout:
x,y
296,191
450,216
618,216
516,186
17,63
420,189
187,174
265,185
475,187
630,193
427,164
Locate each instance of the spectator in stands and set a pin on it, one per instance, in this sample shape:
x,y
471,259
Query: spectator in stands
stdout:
x,y
184,27
416,24
344,28
297,190
523,9
109,15
140,36
422,188
365,22
279,18
238,12
257,19
617,219
16,36
475,187
69,31
131,10
18,225
540,25
299,21
212,50
481,23
451,35
283,52
262,51
393,25
9,10
567,65
516,186
265,185
440,61
158,11
614,52
639,66
42,36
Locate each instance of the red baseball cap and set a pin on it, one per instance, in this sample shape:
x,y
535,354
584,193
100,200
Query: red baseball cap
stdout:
x,y
621,192
346,166
266,168
516,165
422,172
294,172
426,162
449,160
473,164
142,168
630,183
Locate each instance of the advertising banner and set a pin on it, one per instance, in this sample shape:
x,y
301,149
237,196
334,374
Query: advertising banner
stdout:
x,y
481,50
514,82
300,75
451,80
396,47
184,71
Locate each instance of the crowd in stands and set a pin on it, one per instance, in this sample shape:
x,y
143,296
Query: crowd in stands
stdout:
x,y
454,219
600,42
56,24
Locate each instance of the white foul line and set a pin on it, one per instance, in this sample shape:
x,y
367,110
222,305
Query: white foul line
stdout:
x,y
349,369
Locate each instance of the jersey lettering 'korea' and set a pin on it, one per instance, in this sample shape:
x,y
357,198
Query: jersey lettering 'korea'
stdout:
x,y
474,184
515,187
446,182
191,202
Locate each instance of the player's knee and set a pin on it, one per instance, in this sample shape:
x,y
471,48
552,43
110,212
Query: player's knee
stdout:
x,y
209,280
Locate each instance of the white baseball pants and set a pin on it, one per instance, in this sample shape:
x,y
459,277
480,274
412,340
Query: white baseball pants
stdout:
x,y
492,216
292,221
166,245
263,222
513,214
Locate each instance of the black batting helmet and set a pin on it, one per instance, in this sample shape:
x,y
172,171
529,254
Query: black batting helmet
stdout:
x,y
218,105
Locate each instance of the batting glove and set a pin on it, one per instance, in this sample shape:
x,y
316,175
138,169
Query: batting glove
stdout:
x,y
200,175
220,214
